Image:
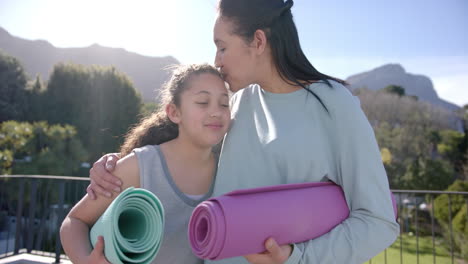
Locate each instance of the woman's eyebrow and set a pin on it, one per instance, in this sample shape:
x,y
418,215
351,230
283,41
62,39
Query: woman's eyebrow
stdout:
x,y
218,41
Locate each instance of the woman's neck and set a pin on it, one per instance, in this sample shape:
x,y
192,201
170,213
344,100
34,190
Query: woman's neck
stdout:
x,y
273,83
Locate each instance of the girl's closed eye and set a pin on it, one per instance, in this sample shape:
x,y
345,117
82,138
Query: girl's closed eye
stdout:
x,y
224,104
224,100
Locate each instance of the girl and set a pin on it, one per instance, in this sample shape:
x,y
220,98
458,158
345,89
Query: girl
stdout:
x,y
170,154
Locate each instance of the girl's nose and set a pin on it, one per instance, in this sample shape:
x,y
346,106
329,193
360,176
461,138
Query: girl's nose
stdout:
x,y
217,112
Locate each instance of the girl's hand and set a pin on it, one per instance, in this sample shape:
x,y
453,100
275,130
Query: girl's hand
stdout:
x,y
97,255
102,181
275,254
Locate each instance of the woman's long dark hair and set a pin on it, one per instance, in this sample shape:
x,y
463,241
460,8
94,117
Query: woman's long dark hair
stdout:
x,y
274,17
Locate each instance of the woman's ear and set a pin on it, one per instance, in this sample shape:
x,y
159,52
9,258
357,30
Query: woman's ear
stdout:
x,y
260,41
173,113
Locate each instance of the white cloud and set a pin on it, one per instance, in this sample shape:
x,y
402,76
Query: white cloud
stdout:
x,y
453,88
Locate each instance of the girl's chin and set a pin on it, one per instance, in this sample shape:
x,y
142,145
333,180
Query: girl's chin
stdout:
x,y
211,142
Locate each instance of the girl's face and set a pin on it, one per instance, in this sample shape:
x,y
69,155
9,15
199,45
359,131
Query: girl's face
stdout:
x,y
203,114
234,58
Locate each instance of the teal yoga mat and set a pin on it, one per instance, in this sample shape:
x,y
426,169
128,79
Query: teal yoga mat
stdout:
x,y
132,227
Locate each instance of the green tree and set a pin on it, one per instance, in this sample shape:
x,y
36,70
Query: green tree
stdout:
x,y
452,148
148,108
99,101
458,215
6,160
428,174
36,100
418,136
39,148
395,89
12,88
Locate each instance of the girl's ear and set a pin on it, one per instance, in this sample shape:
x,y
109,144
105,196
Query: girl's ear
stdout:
x,y
173,113
259,41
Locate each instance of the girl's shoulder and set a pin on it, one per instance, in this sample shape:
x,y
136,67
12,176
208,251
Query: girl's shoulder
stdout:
x,y
128,171
145,149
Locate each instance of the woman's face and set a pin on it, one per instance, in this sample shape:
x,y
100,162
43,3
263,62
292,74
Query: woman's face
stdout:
x,y
234,57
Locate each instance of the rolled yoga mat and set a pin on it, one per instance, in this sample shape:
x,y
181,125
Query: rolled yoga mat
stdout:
x,y
132,227
238,223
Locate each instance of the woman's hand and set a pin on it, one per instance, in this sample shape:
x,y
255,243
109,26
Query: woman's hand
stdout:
x,y
102,181
97,255
275,254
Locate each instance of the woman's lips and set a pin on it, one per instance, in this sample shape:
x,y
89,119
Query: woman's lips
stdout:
x,y
225,76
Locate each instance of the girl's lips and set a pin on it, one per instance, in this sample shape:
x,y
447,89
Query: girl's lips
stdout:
x,y
214,126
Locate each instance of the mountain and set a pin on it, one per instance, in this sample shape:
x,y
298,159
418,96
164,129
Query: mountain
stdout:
x,y
39,57
148,74
418,85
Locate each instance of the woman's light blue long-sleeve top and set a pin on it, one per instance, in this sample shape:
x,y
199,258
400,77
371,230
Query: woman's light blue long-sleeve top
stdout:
x,y
291,138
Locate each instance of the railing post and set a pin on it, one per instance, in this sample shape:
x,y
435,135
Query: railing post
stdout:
x,y
432,230
19,217
401,236
417,228
45,211
32,209
60,211
450,225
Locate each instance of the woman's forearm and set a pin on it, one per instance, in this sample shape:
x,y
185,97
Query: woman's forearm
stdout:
x,y
74,235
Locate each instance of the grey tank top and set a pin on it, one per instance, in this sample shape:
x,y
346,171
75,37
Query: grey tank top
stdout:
x,y
178,207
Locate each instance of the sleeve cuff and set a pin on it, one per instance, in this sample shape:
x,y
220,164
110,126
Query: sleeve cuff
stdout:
x,y
295,255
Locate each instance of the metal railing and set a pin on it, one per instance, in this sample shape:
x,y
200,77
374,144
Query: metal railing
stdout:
x,y
416,216
32,208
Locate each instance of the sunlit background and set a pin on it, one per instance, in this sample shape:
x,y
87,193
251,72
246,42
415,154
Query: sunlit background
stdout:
x,y
85,110
341,38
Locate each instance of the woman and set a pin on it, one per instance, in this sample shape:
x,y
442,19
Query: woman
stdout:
x,y
294,124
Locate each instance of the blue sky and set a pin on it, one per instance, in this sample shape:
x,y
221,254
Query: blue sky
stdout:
x,y
340,38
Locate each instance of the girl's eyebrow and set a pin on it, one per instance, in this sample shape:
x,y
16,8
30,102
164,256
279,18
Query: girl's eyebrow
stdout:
x,y
208,93
202,92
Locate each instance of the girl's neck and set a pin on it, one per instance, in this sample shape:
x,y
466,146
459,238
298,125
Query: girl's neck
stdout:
x,y
191,167
188,152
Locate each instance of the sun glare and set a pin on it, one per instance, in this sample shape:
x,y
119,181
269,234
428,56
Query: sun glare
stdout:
x,y
143,26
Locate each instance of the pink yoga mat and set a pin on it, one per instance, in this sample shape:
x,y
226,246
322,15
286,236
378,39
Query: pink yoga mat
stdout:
x,y
238,223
